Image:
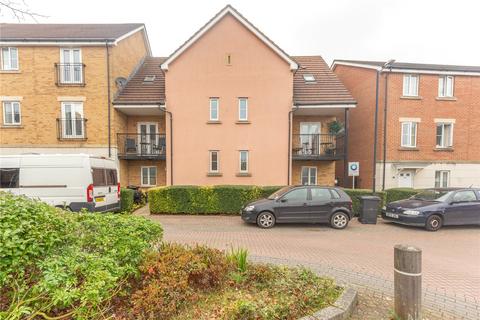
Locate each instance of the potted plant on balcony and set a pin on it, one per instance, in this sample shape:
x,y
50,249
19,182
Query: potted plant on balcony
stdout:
x,y
335,127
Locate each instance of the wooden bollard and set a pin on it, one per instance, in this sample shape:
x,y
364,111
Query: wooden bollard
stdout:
x,y
408,282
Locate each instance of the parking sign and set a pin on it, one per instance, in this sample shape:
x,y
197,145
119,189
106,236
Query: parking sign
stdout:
x,y
353,169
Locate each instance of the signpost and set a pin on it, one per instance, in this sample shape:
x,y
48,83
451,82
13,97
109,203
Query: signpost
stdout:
x,y
353,171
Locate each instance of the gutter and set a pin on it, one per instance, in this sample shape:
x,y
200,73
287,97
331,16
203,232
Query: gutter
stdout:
x,y
109,101
290,115
163,108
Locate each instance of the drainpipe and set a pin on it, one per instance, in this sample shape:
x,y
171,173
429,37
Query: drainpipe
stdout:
x,y
290,115
345,151
164,109
109,101
375,125
385,131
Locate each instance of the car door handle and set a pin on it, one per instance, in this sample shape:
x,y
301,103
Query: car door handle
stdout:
x,y
305,204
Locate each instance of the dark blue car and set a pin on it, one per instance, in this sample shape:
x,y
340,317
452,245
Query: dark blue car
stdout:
x,y
435,208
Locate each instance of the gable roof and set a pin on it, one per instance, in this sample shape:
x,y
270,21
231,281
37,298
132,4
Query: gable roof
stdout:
x,y
232,11
325,89
11,32
139,92
407,66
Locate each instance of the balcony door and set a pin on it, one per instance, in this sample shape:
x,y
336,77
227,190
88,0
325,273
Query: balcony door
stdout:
x,y
70,66
148,133
72,120
309,137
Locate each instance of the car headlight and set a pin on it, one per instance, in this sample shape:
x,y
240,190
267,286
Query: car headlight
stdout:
x,y
411,212
384,208
249,208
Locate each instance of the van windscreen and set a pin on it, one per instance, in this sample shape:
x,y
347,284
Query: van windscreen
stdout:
x,y
98,177
9,178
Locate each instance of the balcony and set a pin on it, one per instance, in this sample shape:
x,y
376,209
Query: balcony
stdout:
x,y
72,129
70,74
317,147
137,146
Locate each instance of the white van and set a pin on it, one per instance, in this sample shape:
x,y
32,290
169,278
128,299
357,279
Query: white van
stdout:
x,y
72,181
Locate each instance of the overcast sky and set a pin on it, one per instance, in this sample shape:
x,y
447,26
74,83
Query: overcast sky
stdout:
x,y
429,31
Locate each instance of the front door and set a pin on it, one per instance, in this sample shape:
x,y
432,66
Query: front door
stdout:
x,y
293,206
405,179
147,138
464,208
320,204
309,137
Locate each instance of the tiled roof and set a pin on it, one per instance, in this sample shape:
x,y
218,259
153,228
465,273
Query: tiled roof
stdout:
x,y
65,32
138,91
416,66
327,87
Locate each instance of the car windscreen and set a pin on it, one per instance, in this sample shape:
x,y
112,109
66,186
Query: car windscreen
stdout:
x,y
279,193
433,195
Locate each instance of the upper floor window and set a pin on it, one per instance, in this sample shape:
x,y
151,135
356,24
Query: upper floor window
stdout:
x,y
71,67
243,161
410,85
409,134
243,109
72,123
214,109
11,113
444,135
214,164
9,58
445,86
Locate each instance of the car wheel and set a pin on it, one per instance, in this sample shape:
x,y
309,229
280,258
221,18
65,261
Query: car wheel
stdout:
x,y
266,220
433,223
339,220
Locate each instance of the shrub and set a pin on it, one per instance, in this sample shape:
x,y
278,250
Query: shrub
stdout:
x,y
396,194
204,199
65,263
126,199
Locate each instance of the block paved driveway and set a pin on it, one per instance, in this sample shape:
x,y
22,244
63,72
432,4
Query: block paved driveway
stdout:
x,y
361,255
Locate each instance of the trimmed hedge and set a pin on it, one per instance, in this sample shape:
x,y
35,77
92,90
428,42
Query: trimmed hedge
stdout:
x,y
227,199
396,194
126,199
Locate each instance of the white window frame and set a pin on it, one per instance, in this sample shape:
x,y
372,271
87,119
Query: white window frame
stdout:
x,y
450,143
8,66
443,87
64,134
210,161
442,180
240,109
410,124
71,79
408,89
149,177
309,176
247,160
11,103
211,108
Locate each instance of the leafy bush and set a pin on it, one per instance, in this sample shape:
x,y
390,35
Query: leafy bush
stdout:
x,y
355,194
396,194
204,199
63,263
126,199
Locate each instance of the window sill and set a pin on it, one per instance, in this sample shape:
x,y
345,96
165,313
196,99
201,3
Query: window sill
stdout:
x,y
214,122
70,84
446,99
214,174
408,149
13,126
446,149
242,122
411,97
243,174
10,71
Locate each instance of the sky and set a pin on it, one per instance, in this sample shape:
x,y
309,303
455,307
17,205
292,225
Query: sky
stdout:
x,y
425,31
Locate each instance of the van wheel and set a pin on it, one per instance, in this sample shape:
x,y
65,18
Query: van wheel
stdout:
x,y
339,220
266,220
434,222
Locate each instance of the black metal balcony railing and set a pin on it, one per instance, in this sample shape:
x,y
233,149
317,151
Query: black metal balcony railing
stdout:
x,y
317,146
72,128
70,74
141,146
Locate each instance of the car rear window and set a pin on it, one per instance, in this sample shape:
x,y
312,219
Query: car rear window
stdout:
x,y
9,178
320,194
335,194
98,177
112,179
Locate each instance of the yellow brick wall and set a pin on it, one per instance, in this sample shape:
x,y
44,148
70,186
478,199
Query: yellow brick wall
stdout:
x,y
325,172
134,174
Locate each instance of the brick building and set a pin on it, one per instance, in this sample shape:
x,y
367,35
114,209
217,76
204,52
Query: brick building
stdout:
x,y
429,123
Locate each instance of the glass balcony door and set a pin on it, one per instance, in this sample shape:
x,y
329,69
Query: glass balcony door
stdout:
x,y
70,66
309,137
148,133
72,118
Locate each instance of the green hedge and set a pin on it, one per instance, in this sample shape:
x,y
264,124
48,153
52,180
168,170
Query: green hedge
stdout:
x,y
396,194
205,199
126,199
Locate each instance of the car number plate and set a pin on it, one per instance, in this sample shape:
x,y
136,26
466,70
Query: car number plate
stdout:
x,y
391,215
100,199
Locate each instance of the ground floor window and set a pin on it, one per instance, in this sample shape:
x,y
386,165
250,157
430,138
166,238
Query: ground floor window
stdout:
x,y
149,176
309,175
442,179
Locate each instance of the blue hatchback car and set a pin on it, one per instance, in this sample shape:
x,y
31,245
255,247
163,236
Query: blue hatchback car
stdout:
x,y
435,208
